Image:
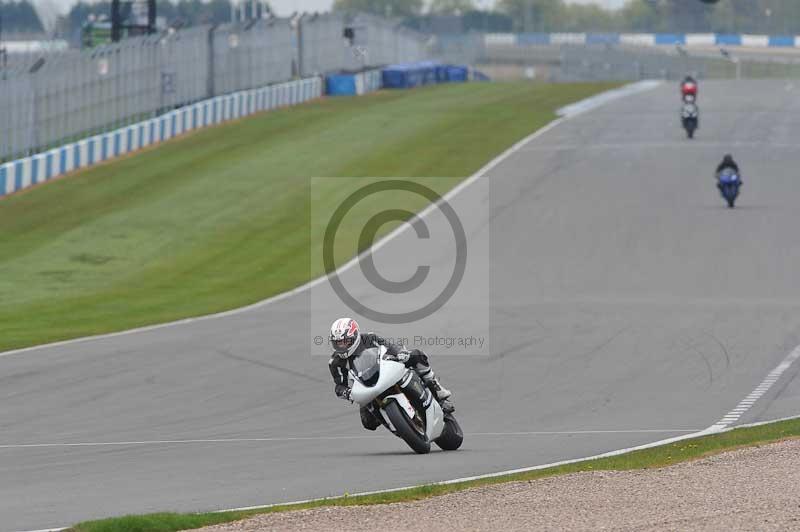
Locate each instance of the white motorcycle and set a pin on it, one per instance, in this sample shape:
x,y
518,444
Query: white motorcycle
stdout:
x,y
690,118
397,396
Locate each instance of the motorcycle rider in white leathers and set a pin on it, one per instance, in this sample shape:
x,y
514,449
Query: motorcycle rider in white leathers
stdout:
x,y
347,342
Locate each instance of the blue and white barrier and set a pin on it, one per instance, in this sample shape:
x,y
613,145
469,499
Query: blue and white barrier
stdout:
x,y
353,84
643,39
23,173
405,76
369,81
402,76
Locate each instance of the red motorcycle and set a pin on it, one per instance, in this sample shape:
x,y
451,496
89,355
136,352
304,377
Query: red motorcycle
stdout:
x,y
689,90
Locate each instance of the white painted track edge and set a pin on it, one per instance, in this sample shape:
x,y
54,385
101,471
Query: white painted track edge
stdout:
x,y
705,432
667,441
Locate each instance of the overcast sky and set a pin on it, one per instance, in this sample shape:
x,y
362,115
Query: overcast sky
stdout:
x,y
285,7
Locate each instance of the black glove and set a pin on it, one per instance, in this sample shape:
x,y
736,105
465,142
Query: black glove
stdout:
x,y
343,392
402,356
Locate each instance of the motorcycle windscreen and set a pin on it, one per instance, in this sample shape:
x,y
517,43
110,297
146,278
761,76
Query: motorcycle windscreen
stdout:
x,y
366,366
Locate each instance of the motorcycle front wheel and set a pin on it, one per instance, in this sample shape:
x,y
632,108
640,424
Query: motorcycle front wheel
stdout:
x,y
730,194
404,428
452,436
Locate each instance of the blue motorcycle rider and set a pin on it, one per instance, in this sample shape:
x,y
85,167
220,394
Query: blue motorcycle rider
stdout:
x,y
727,162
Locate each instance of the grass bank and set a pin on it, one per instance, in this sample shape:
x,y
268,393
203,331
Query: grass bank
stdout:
x,y
221,218
656,457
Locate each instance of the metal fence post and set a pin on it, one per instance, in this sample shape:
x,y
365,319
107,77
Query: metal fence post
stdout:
x,y
298,34
33,142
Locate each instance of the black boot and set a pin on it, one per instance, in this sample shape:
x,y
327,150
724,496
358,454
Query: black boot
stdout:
x,y
442,394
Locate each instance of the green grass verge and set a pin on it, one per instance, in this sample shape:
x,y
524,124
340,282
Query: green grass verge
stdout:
x,y
656,457
222,217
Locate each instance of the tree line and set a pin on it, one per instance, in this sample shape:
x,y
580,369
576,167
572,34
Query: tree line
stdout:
x,y
19,17
727,16
651,16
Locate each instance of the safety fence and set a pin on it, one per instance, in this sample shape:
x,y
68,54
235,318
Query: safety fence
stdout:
x,y
37,169
58,96
593,63
40,168
374,42
622,57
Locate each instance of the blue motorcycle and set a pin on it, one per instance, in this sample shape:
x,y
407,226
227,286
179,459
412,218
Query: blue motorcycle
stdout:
x,y
728,183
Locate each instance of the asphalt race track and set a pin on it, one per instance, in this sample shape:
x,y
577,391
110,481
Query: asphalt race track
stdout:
x,y
628,305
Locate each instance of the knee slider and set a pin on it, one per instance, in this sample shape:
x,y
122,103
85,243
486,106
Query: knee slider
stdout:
x,y
416,390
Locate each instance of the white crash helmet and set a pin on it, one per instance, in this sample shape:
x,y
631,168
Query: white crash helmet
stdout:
x,y
345,337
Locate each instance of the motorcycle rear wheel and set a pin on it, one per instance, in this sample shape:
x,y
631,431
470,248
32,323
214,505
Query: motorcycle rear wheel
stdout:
x,y
404,428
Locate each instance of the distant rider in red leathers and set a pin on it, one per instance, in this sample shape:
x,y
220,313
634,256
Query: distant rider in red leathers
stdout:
x,y
689,89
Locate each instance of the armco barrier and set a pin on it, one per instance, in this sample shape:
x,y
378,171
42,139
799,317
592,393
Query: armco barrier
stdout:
x,y
642,39
23,173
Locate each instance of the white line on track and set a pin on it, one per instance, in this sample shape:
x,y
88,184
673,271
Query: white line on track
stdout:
x,y
557,432
603,98
748,402
498,474
322,438
722,426
528,469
